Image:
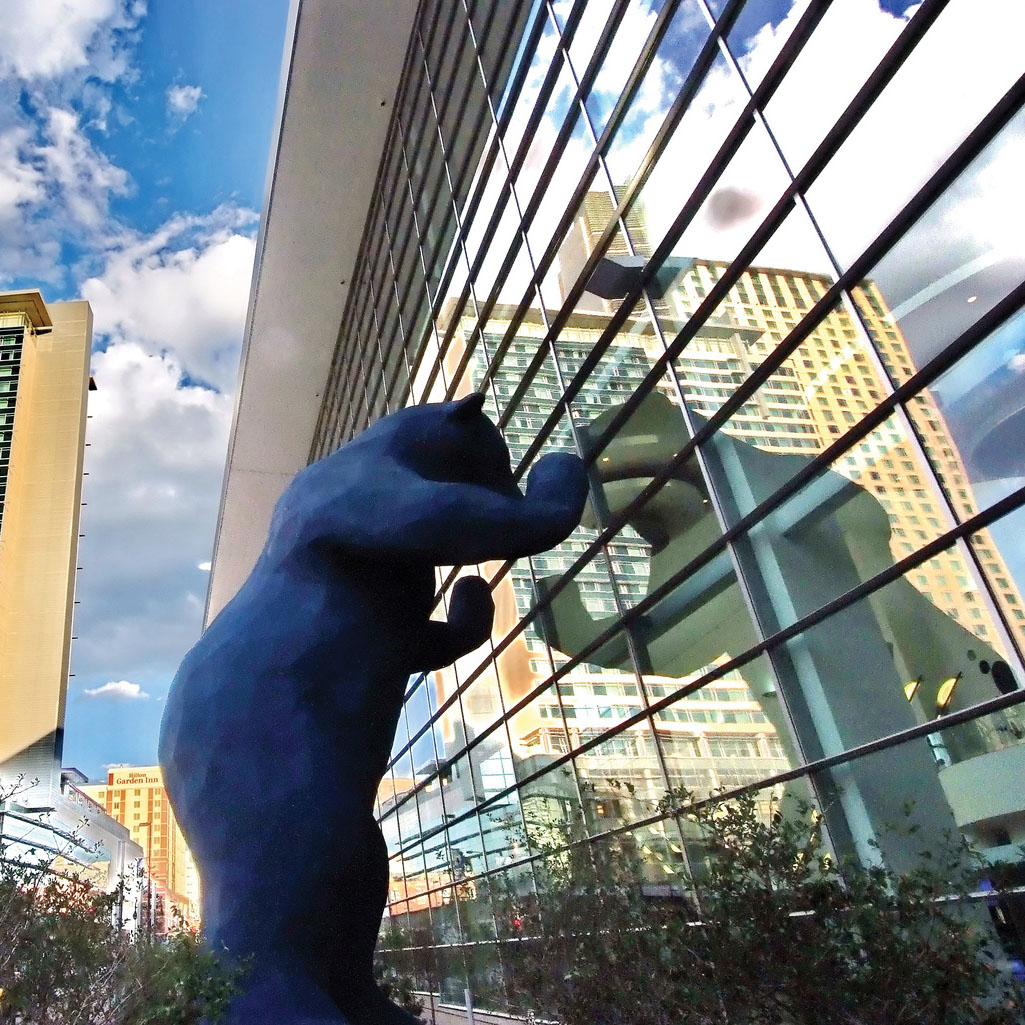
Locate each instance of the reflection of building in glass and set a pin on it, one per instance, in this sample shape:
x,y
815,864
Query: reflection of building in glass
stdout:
x,y
135,796
720,737
831,382
835,564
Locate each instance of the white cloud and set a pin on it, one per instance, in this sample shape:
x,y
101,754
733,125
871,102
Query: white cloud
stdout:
x,y
62,63
49,38
80,178
22,182
97,106
168,305
55,187
183,101
182,291
170,310
204,565
117,690
155,461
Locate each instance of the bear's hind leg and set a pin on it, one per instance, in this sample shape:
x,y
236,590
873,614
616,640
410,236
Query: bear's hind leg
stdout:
x,y
283,995
353,985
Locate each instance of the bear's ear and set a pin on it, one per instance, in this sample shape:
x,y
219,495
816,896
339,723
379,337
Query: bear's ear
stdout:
x,y
468,408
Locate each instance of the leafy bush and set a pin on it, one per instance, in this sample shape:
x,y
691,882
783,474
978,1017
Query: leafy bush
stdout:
x,y
397,986
772,931
63,961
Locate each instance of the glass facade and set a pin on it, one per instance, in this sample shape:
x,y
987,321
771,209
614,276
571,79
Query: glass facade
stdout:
x,y
12,336
761,265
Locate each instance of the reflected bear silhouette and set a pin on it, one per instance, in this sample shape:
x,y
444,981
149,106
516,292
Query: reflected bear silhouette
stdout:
x,y
832,535
280,721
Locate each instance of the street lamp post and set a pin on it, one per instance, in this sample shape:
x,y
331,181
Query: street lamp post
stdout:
x,y
149,878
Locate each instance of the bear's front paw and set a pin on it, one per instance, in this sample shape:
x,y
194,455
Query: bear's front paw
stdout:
x,y
557,486
471,611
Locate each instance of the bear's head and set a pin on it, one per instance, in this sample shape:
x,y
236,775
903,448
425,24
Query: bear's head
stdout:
x,y
453,442
431,484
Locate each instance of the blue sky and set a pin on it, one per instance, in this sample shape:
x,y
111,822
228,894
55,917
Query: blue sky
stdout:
x,y
133,148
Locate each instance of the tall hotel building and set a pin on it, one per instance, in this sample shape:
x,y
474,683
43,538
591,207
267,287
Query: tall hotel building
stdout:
x,y
769,285
44,377
44,381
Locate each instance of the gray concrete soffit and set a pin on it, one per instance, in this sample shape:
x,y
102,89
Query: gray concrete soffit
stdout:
x,y
339,78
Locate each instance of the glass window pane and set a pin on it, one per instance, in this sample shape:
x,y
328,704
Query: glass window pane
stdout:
x,y
923,114
618,64
787,278
807,403
729,733
540,61
895,659
557,188
972,799
558,110
761,29
827,74
499,30
506,238
958,260
999,555
622,779
524,349
847,524
454,81
648,108
970,420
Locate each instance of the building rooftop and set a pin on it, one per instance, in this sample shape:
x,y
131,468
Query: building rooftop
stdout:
x,y
30,303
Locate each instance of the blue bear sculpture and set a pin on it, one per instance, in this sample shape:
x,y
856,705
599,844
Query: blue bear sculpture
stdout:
x,y
280,722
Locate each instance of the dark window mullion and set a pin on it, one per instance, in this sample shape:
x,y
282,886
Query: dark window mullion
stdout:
x,y
523,148
445,180
887,68
407,287
489,159
695,78
345,350
558,149
356,298
486,112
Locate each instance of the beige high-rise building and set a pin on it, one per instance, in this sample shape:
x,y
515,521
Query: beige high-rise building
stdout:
x,y
44,379
135,797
